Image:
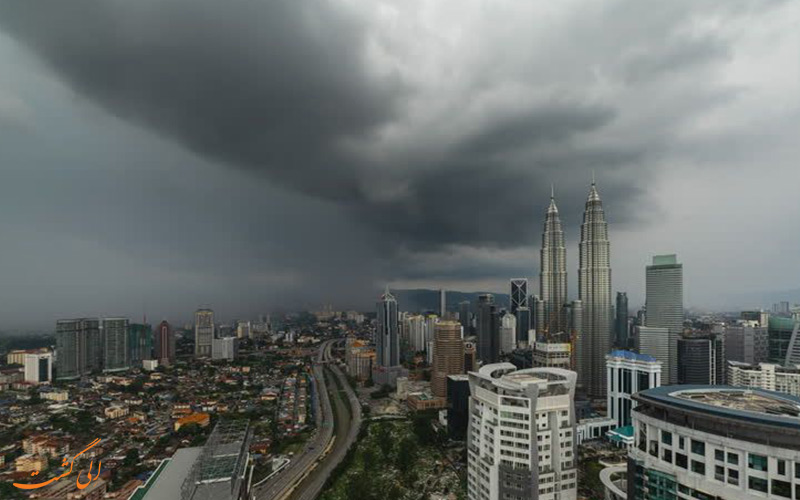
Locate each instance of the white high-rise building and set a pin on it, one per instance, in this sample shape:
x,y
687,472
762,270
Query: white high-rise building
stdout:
x,y
664,304
711,442
414,327
594,291
39,367
521,438
508,333
629,373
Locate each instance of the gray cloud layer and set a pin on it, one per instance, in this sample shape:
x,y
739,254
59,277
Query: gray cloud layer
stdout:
x,y
383,135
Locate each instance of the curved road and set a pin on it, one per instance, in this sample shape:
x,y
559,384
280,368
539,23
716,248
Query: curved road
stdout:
x,y
315,481
305,476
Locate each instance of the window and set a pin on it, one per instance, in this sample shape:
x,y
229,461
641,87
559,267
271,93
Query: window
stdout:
x,y
757,462
681,443
719,455
797,470
733,459
781,467
698,447
758,484
666,437
781,488
719,473
698,467
666,455
681,460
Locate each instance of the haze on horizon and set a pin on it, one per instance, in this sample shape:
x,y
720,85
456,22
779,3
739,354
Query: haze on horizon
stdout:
x,y
161,155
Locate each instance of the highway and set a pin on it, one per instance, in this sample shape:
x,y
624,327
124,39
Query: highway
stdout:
x,y
305,476
279,486
312,486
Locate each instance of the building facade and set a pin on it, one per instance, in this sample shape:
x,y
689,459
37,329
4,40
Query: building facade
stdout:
x,y
521,437
39,368
711,442
140,343
767,376
664,304
519,294
203,332
448,356
164,344
225,348
552,355
701,360
594,291
488,324
114,333
654,342
629,373
746,343
508,333
621,328
387,341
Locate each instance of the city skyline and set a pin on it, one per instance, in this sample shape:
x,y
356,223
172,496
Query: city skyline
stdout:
x,y
224,199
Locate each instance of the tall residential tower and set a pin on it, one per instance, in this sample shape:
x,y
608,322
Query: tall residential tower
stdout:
x,y
594,291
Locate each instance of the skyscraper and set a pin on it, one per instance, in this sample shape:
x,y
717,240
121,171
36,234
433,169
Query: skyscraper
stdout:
x,y
521,438
165,344
488,329
519,294
387,341
203,332
140,343
114,333
448,356
523,315
71,349
594,291
621,340
508,333
465,317
664,304
553,269
701,360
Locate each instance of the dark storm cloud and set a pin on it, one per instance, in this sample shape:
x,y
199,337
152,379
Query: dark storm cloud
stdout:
x,y
263,85
277,87
381,134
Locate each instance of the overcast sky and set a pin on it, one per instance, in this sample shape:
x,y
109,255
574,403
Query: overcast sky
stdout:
x,y
161,155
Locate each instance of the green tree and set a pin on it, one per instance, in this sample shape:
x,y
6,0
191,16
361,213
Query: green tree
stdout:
x,y
406,454
131,457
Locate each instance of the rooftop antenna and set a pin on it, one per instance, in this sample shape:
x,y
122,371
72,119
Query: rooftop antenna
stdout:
x,y
593,177
552,191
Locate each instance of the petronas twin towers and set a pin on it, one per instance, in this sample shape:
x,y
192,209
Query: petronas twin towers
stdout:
x,y
592,331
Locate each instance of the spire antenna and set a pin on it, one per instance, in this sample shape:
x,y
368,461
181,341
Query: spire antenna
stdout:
x,y
552,191
593,182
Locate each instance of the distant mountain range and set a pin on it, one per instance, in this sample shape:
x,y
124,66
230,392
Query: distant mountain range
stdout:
x,y
422,300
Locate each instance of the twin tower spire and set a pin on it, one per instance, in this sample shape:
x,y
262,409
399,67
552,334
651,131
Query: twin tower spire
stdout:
x,y
592,331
